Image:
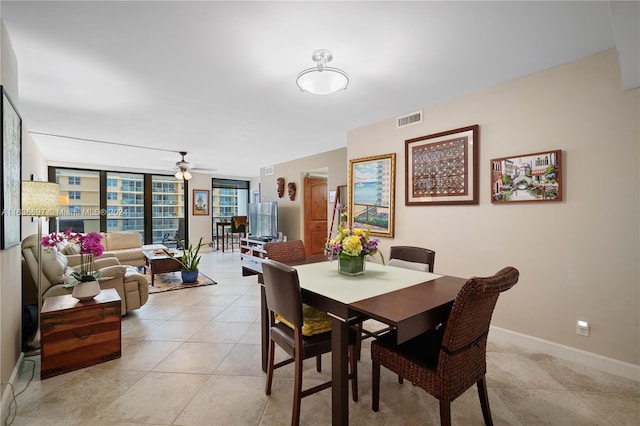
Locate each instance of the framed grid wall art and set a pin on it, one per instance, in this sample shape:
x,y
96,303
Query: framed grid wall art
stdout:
x,y
443,168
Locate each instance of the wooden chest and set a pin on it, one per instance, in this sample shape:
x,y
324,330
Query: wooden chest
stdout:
x,y
76,334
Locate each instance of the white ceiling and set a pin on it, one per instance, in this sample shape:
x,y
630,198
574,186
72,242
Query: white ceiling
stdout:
x,y
217,79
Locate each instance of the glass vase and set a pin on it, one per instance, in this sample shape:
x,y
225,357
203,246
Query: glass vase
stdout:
x,y
351,265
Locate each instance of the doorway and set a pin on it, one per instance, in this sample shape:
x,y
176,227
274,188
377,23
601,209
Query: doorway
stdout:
x,y
315,215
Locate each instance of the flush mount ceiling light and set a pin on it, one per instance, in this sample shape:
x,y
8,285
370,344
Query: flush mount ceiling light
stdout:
x,y
183,168
322,80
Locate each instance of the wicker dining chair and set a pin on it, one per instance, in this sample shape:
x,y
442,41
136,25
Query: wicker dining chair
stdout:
x,y
286,251
409,257
284,300
446,362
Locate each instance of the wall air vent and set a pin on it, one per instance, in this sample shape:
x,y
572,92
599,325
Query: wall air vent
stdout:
x,y
409,119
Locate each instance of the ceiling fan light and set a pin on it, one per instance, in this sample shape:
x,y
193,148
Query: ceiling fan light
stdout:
x,y
178,174
187,175
322,80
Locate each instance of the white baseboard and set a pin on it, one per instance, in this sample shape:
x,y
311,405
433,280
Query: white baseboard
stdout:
x,y
7,395
589,359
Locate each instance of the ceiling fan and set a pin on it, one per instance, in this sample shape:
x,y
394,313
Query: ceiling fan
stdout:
x,y
183,168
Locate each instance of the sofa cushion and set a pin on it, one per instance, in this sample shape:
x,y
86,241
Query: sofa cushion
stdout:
x,y
54,265
122,240
68,248
125,256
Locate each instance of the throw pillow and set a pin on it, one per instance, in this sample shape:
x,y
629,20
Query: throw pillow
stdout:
x,y
68,249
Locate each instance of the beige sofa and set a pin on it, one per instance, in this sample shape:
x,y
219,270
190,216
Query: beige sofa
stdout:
x,y
132,287
126,246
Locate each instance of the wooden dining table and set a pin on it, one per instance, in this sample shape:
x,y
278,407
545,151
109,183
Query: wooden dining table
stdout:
x,y
412,301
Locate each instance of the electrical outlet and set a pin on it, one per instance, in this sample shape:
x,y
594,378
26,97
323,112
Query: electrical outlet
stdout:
x,y
582,328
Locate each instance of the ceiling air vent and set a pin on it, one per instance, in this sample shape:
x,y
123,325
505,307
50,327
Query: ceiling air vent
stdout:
x,y
409,119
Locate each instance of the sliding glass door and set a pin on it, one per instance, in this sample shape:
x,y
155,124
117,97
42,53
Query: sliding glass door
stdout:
x,y
228,198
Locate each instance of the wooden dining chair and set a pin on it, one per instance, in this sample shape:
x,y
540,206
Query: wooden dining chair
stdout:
x,y
239,226
448,361
409,257
301,332
418,258
284,252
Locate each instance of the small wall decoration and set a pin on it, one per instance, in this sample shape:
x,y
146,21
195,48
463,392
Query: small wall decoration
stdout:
x,y
291,190
280,187
11,223
529,177
201,202
443,168
372,196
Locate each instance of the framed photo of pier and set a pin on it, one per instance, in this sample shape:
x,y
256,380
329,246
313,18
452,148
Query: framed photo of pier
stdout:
x,y
372,185
529,177
443,168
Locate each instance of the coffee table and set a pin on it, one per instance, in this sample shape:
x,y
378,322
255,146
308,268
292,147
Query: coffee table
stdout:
x,y
157,262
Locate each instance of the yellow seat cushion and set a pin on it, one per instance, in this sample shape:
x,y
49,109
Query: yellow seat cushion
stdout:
x,y
314,321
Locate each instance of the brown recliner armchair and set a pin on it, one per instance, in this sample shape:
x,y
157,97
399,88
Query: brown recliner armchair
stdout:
x,y
132,287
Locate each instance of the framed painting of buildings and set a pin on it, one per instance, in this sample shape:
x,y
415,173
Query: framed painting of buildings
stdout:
x,y
529,177
372,194
442,168
11,224
201,202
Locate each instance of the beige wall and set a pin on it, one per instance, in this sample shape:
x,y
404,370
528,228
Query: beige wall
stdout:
x,y
10,269
290,213
578,258
199,226
10,289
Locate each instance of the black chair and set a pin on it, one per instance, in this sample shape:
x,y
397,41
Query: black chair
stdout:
x,y
446,362
410,257
170,240
283,296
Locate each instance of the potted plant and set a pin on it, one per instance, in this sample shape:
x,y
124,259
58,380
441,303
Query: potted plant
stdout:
x,y
189,258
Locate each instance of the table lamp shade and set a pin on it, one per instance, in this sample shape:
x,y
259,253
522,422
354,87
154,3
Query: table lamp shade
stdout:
x,y
40,199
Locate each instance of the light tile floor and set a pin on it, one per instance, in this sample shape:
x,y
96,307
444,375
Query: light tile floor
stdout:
x,y
192,357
